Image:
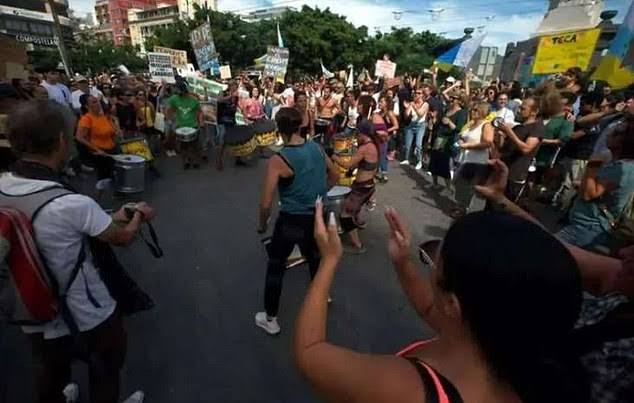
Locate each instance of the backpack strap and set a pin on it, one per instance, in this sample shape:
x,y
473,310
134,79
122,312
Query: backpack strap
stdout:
x,y
438,389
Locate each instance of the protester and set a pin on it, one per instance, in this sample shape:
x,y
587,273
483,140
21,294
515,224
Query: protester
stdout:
x,y
83,88
126,113
444,136
57,91
351,112
307,128
416,113
385,133
479,360
184,110
40,133
502,110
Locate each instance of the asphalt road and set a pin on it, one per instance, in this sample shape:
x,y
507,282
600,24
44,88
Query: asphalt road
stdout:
x,y
200,344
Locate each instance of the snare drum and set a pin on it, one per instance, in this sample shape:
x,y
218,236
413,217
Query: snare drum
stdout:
x,y
265,132
346,176
240,140
186,134
342,144
335,199
321,126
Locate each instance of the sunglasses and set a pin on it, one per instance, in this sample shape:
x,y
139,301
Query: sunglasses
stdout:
x,y
427,250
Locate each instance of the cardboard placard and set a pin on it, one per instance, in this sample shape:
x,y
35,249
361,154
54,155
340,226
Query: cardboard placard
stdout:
x,y
179,57
210,111
204,87
385,69
276,62
203,44
225,72
559,52
160,66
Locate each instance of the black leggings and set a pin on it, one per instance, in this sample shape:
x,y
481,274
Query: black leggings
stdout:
x,y
290,230
103,165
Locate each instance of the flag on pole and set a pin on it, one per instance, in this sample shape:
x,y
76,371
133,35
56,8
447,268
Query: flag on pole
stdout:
x,y
280,42
325,71
460,55
617,66
350,83
260,61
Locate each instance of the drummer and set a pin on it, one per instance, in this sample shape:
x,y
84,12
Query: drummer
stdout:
x,y
184,110
366,160
327,107
299,172
97,133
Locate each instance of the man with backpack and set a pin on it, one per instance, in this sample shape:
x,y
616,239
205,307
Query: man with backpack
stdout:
x,y
87,323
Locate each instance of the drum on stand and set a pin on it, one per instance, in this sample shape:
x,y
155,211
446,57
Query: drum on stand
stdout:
x,y
265,131
186,134
334,201
129,173
240,140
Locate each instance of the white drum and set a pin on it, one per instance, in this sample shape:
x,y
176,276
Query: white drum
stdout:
x,y
129,173
186,134
334,201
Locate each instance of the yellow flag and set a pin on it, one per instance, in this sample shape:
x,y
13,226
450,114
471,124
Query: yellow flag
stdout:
x,y
617,66
557,53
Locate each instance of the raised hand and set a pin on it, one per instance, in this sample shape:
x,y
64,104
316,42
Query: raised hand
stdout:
x,y
400,239
327,237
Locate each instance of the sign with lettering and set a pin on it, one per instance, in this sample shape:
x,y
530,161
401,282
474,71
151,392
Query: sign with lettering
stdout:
x,y
276,62
203,44
160,66
203,87
385,69
179,57
225,72
559,52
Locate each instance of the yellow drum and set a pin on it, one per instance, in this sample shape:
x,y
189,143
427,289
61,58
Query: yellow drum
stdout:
x,y
342,144
240,141
138,147
266,139
265,132
346,176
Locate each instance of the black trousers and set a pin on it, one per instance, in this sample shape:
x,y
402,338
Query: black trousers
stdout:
x,y
53,359
290,230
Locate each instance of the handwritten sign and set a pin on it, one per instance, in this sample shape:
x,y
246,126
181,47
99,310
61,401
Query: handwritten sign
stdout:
x,y
385,69
210,111
160,66
276,62
203,43
225,72
557,53
204,88
179,57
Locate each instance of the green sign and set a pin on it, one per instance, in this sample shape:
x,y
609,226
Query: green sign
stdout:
x,y
204,87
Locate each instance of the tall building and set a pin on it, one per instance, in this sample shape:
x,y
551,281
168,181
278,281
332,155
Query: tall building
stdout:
x,y
570,15
112,17
186,7
31,21
486,63
265,13
142,23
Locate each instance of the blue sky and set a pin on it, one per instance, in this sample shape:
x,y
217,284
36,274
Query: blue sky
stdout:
x,y
512,20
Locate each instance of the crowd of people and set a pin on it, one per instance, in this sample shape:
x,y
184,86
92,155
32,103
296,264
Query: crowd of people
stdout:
x,y
521,315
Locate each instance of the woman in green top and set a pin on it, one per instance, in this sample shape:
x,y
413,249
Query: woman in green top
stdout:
x,y
444,135
556,112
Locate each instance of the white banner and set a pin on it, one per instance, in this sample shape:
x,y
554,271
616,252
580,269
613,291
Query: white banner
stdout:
x,y
160,66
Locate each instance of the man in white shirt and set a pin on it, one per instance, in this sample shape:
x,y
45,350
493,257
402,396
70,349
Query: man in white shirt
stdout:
x,y
57,91
503,111
83,88
40,133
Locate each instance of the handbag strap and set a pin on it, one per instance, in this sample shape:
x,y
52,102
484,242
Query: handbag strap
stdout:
x,y
153,245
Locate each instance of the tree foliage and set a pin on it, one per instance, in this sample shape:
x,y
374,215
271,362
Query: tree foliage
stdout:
x,y
311,34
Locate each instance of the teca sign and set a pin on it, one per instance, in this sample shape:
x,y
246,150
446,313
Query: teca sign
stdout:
x,y
560,40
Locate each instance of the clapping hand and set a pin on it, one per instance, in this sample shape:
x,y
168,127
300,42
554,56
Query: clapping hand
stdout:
x,y
327,237
400,240
495,185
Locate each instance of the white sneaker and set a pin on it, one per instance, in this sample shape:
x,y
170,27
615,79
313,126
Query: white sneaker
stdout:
x,y
419,166
404,162
269,326
136,397
71,393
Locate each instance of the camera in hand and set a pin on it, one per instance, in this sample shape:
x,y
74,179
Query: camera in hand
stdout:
x,y
497,122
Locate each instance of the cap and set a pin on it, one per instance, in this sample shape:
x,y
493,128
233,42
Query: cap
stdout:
x,y
450,79
79,78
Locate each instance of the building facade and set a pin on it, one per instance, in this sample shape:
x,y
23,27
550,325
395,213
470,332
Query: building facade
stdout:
x,y
186,7
31,21
486,63
142,23
112,17
265,13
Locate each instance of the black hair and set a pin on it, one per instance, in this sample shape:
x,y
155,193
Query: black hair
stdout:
x,y
83,101
288,121
592,98
520,294
569,96
516,90
299,94
35,127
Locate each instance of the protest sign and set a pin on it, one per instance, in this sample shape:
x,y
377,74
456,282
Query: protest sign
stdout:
x,y
205,88
203,44
385,69
557,53
179,57
225,72
210,111
160,66
276,62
